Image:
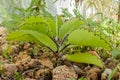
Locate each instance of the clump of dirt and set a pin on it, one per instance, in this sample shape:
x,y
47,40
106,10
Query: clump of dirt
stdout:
x,y
34,68
24,62
8,70
29,79
28,67
46,63
110,63
93,73
64,72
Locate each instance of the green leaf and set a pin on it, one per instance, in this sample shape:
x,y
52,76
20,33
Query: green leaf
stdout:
x,y
58,24
59,21
35,23
85,38
85,58
52,26
33,36
33,19
39,27
39,24
69,26
82,78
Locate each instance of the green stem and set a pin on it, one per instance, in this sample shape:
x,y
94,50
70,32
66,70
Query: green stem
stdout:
x,y
55,53
64,47
64,39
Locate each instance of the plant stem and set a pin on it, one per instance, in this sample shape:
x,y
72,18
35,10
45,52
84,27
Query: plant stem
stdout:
x,y
64,39
63,53
55,53
64,47
55,41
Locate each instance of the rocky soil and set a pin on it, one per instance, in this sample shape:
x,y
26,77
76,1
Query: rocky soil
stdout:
x,y
19,62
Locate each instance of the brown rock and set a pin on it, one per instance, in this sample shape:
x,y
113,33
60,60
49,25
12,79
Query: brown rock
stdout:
x,y
9,69
22,64
30,74
41,72
29,79
46,63
22,56
117,76
105,74
64,73
92,74
27,63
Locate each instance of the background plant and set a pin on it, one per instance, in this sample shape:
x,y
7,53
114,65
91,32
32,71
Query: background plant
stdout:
x,y
107,26
15,11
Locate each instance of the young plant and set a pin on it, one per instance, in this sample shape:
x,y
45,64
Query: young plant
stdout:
x,y
59,37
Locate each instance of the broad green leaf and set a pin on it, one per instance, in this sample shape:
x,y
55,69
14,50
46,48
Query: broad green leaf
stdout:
x,y
35,23
85,38
52,25
85,58
39,27
33,19
39,24
69,26
29,35
59,21
58,24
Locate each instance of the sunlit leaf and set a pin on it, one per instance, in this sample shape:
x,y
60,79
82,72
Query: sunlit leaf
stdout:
x,y
86,38
85,58
29,35
39,24
69,26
